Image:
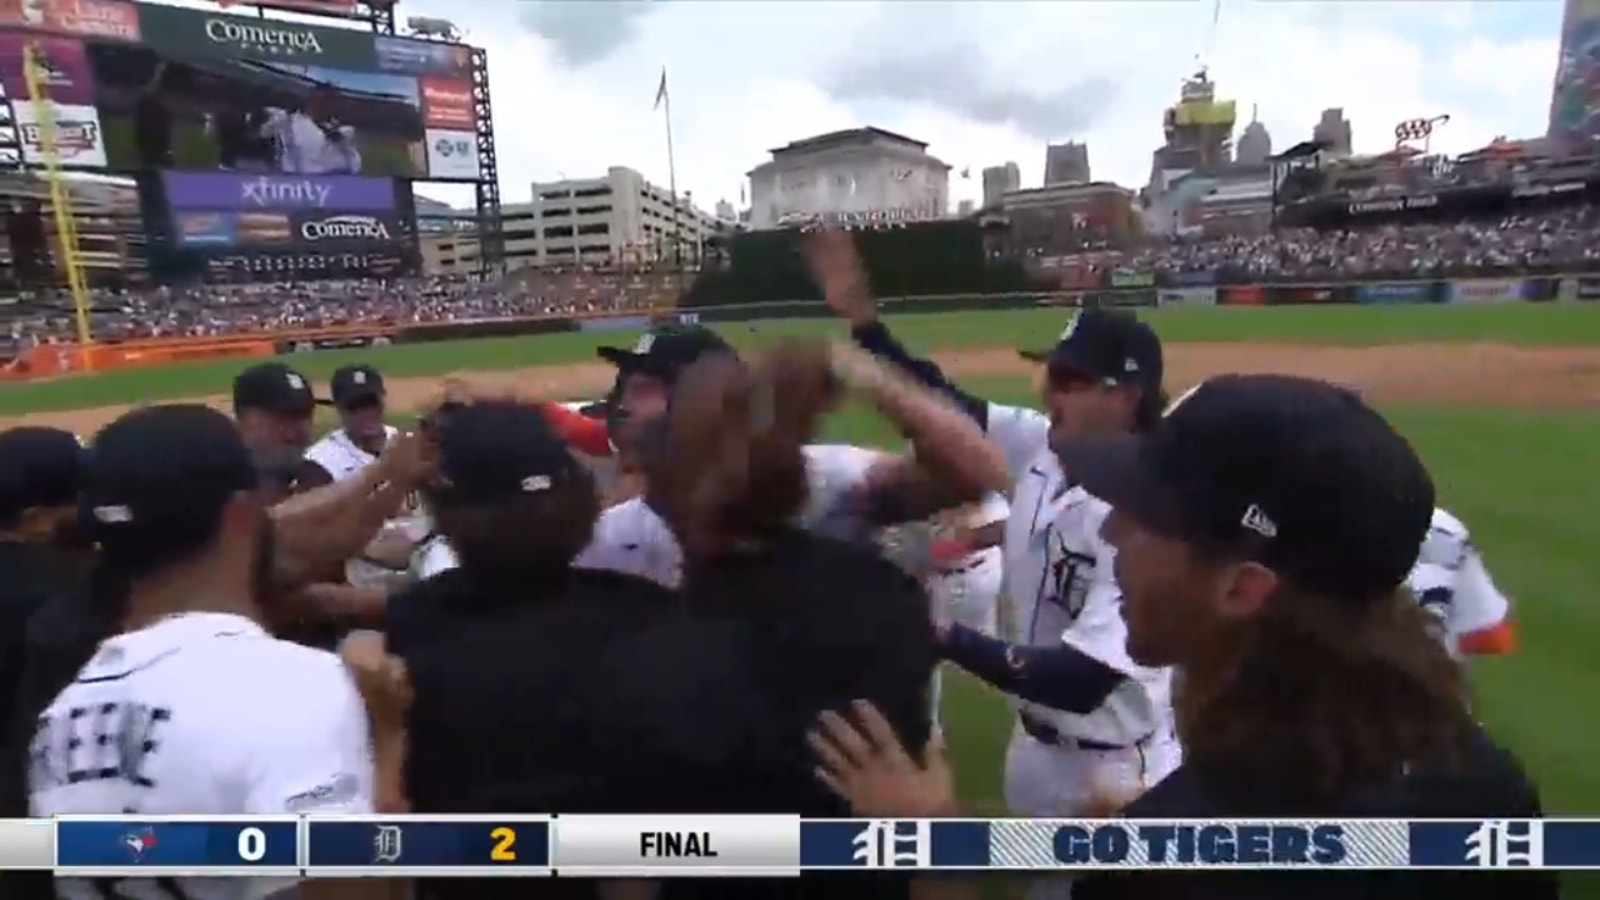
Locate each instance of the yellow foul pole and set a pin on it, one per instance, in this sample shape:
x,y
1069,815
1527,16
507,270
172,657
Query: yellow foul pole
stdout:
x,y
60,198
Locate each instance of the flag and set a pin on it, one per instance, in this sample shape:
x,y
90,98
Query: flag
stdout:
x,y
661,92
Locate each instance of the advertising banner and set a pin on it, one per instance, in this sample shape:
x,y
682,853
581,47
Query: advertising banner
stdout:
x,y
75,130
340,230
229,229
446,103
1242,295
267,265
191,33
1189,296
102,20
453,155
1393,204
1296,295
288,193
1586,288
1127,278
406,56
1480,291
63,62
1191,278
1399,292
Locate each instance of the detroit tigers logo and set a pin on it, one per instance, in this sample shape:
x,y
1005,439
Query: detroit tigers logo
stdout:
x,y
1070,574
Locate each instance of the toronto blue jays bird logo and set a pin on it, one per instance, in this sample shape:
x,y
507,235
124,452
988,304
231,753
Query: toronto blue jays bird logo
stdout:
x,y
139,843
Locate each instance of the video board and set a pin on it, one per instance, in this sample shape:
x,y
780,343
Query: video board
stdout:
x,y
136,87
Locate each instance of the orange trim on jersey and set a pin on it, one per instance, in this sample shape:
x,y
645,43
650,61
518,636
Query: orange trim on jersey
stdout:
x,y
582,433
1496,640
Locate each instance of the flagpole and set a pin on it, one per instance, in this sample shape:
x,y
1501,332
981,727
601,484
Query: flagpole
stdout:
x,y
672,176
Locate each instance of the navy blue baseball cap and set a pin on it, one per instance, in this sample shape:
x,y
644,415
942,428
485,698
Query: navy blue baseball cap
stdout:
x,y
1297,474
355,385
274,388
1110,346
160,476
491,452
665,352
39,468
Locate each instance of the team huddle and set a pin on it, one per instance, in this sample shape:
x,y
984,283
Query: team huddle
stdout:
x,y
1038,542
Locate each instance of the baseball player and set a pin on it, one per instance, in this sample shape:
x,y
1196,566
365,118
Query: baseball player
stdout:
x,y
358,395
1090,720
852,489
1451,582
188,707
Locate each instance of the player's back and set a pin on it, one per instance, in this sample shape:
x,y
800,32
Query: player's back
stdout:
x,y
201,714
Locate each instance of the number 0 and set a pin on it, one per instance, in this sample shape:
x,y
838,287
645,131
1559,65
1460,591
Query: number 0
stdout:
x,y
505,842
252,844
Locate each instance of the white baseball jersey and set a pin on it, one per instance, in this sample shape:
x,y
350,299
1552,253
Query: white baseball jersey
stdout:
x,y
202,714
631,538
1059,584
968,592
340,456
1452,583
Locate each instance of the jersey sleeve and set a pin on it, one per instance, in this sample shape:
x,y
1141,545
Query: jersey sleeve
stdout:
x,y
581,432
1021,434
630,538
309,746
1479,604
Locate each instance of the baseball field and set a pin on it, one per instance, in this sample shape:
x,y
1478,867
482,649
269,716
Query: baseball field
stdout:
x,y
1502,401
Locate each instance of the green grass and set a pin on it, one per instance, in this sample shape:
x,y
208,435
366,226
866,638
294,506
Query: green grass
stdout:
x,y
1553,324
1523,481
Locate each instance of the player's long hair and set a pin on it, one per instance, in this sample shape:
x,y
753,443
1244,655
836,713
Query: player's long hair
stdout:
x,y
732,473
1319,694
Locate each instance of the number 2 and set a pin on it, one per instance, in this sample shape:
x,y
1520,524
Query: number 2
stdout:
x,y
505,840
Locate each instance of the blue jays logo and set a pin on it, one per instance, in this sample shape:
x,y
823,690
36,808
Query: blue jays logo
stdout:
x,y
139,843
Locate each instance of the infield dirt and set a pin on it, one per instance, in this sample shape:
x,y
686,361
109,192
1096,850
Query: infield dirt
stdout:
x,y
1441,374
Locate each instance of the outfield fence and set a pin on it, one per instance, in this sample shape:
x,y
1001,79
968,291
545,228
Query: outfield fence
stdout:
x,y
53,360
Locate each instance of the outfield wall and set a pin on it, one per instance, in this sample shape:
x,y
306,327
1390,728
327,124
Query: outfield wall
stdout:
x,y
54,360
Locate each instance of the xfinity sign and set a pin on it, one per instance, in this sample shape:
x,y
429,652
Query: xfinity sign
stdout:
x,y
286,193
345,228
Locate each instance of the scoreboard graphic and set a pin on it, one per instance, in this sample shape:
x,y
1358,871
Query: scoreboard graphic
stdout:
x,y
767,846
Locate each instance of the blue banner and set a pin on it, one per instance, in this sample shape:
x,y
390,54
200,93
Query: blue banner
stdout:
x,y
1395,292
1483,291
1192,278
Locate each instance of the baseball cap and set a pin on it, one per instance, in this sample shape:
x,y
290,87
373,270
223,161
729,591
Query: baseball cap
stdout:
x,y
489,452
1109,345
357,384
1301,475
666,352
39,467
275,388
160,476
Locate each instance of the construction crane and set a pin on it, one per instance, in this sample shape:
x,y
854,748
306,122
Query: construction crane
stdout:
x,y
35,73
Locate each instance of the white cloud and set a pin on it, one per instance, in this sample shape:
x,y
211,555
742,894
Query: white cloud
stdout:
x,y
576,96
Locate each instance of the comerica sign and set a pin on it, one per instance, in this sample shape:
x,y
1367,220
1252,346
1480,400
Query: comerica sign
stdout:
x,y
345,228
267,37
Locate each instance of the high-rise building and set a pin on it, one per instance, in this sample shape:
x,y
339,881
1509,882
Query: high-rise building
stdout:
x,y
1333,131
1066,163
1255,145
966,208
1574,107
997,180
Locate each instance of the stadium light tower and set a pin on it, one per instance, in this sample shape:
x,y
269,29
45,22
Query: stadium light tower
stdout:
x,y
35,73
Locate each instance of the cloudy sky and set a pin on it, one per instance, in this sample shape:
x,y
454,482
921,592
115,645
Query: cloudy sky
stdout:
x,y
981,82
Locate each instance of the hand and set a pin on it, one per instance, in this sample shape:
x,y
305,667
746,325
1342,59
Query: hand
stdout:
x,y
381,678
866,765
410,459
836,268
856,368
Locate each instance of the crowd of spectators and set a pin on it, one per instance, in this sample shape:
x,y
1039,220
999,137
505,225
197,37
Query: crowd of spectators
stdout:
x,y
229,309
1565,239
